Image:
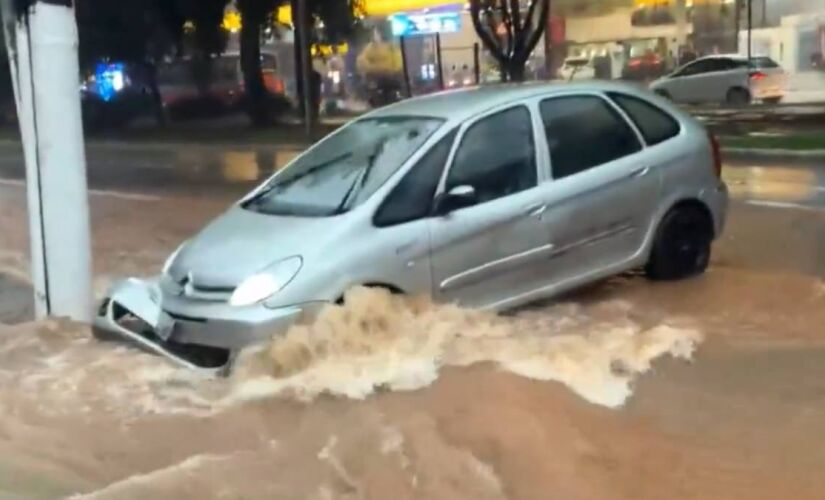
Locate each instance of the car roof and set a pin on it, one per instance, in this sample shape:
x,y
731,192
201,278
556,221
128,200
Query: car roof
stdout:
x,y
462,104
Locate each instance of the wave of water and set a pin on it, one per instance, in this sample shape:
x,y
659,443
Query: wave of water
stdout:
x,y
380,341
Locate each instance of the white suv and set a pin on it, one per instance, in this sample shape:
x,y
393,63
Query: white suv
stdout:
x,y
727,79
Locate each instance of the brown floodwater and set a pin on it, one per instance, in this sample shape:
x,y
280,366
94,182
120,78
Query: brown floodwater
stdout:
x,y
711,388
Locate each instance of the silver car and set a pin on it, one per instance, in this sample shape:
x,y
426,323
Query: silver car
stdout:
x,y
491,198
728,79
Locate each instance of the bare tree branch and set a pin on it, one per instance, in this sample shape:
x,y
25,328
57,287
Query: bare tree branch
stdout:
x,y
536,33
517,26
487,38
506,34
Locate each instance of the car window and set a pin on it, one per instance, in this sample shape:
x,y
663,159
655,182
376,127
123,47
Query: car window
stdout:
x,y
656,125
344,169
176,73
412,198
497,156
698,68
225,69
763,63
576,62
584,132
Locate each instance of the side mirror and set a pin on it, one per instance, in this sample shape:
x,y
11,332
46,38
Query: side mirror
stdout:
x,y
456,198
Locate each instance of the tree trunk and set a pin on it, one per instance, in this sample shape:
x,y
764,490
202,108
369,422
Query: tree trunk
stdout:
x,y
515,71
154,92
254,88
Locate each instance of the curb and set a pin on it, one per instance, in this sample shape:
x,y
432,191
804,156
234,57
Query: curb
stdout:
x,y
120,146
808,154
116,145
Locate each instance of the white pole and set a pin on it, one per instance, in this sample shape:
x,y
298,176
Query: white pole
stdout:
x,y
681,23
42,41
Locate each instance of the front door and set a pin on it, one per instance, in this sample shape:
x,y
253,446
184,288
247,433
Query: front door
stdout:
x,y
491,250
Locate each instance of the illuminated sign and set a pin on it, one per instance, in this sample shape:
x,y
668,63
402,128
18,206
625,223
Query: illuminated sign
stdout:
x,y
379,8
425,24
232,21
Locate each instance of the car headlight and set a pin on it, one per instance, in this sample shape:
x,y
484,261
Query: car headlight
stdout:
x,y
266,283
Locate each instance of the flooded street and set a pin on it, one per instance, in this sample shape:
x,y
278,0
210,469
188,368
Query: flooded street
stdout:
x,y
712,388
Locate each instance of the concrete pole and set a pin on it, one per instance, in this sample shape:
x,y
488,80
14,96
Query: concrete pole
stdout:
x,y
750,29
681,22
41,39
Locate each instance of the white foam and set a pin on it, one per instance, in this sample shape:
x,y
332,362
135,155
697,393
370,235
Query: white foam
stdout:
x,y
384,342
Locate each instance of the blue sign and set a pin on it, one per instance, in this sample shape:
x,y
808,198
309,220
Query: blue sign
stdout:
x,y
109,80
425,24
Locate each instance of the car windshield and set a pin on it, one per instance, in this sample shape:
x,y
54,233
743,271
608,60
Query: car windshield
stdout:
x,y
344,169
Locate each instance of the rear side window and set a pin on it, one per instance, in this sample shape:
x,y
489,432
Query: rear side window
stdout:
x,y
584,132
412,198
697,68
656,125
763,63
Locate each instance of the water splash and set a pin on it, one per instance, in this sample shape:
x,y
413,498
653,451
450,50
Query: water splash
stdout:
x,y
379,341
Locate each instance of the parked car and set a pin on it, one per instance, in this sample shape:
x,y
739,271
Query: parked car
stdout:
x,y
644,67
491,198
188,87
115,94
577,68
730,79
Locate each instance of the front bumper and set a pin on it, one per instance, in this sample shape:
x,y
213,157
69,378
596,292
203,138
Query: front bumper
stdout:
x,y
193,334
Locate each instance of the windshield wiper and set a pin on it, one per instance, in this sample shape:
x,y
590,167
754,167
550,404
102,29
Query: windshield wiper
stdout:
x,y
315,168
361,179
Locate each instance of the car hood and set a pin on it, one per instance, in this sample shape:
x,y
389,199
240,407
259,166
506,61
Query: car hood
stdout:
x,y
241,243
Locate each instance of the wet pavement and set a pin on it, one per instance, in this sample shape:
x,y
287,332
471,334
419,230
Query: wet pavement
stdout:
x,y
167,170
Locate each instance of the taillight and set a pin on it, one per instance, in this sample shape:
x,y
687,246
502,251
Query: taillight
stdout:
x,y
717,155
757,75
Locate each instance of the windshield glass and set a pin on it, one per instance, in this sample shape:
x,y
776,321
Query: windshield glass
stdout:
x,y
345,168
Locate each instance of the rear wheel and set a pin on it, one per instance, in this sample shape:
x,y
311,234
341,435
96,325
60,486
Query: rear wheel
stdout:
x,y
738,97
682,246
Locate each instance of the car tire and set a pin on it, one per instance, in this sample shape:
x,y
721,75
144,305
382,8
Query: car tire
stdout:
x,y
683,244
738,97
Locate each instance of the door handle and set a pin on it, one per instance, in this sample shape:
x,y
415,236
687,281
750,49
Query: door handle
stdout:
x,y
640,172
536,210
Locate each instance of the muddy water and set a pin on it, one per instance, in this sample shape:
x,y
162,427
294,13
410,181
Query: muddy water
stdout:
x,y
596,396
593,397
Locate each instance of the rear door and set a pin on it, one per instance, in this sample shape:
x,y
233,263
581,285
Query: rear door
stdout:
x,y
701,81
603,190
492,250
728,74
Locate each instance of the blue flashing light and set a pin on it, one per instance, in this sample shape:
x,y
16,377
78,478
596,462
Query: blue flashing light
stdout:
x,y
110,78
